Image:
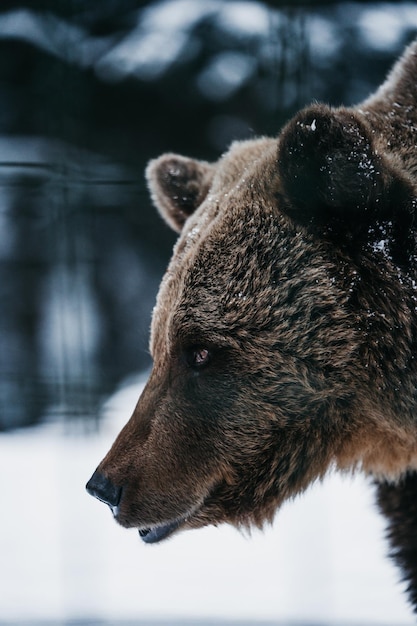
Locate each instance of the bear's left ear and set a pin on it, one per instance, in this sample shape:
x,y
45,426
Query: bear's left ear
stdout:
x,y
334,179
178,186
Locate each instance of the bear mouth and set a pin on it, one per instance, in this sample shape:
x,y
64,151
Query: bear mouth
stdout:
x,y
158,533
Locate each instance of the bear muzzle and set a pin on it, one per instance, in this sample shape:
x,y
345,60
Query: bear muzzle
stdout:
x,y
101,487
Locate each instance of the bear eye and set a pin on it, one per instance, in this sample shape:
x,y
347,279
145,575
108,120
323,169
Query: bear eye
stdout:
x,y
198,356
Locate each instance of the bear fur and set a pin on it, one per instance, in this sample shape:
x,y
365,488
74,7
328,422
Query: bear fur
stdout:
x,y
284,336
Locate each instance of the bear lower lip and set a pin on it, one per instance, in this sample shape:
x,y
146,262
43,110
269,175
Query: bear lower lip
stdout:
x,y
158,533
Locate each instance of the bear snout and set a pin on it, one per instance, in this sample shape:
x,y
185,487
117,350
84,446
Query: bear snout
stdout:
x,y
104,490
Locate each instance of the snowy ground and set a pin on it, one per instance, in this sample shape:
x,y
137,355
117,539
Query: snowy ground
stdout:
x,y
63,557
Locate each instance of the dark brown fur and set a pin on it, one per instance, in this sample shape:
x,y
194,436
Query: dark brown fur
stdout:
x,y
284,335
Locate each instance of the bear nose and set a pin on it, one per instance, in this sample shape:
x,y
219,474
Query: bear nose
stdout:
x,y
103,489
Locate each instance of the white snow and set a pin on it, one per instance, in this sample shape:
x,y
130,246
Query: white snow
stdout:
x,y
54,35
244,19
226,72
64,557
160,37
383,26
324,37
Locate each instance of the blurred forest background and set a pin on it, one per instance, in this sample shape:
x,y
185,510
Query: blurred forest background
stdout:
x,y
90,90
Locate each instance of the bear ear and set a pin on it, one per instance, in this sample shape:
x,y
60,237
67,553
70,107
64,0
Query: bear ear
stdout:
x,y
178,186
333,178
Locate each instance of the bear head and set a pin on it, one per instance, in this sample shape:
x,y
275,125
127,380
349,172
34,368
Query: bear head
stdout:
x,y
280,332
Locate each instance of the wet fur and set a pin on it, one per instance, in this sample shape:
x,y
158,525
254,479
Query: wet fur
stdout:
x,y
296,268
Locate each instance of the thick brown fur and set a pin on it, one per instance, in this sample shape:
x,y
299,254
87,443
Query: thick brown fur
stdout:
x,y
284,335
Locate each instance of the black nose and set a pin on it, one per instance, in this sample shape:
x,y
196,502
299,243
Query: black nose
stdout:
x,y
103,489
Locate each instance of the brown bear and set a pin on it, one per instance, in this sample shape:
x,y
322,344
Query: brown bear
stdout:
x,y
284,335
